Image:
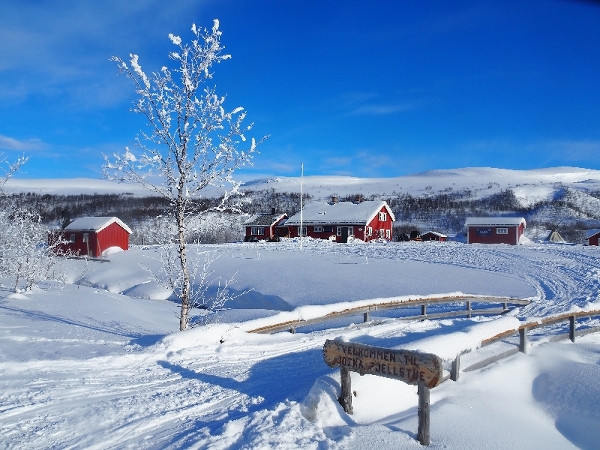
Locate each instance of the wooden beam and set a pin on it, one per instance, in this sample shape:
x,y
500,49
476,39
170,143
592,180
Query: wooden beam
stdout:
x,y
346,390
455,370
491,359
572,328
523,340
424,414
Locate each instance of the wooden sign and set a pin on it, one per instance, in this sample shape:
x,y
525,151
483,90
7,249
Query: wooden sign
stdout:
x,y
422,369
408,366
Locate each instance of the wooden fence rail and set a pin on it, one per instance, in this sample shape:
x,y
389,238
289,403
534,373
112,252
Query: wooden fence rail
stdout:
x,y
366,311
523,338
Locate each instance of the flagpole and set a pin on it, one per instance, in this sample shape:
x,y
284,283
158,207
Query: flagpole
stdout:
x,y
301,194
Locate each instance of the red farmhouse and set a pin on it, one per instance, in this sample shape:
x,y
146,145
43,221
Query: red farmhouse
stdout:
x,y
91,236
338,221
592,237
263,226
494,230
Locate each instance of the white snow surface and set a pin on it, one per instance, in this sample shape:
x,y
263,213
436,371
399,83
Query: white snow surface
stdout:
x,y
99,363
338,212
493,221
95,224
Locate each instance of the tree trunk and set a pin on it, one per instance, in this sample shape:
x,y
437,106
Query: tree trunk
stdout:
x,y
185,275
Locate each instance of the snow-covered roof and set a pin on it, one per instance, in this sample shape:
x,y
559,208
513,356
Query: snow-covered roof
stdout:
x,y
494,221
264,219
435,233
339,213
590,233
95,224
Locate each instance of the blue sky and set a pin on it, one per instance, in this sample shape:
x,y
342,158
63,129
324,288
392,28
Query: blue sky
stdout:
x,y
368,89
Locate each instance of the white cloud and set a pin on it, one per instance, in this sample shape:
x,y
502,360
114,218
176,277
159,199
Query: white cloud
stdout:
x,y
380,110
8,143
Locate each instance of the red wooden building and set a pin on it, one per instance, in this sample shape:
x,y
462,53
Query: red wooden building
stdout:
x,y
494,230
434,236
91,236
263,227
340,221
592,237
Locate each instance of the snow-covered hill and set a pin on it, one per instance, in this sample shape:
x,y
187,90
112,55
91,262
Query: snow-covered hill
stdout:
x,y
528,185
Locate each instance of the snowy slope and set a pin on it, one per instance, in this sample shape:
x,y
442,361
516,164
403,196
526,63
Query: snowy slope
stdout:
x,y
528,185
88,365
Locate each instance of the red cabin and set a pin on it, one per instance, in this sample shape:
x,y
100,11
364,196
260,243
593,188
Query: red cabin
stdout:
x,y
495,230
434,236
592,237
341,221
91,236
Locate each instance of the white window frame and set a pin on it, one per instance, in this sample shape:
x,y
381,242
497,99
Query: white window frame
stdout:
x,y
318,229
382,233
72,238
339,231
382,217
369,231
387,234
502,230
302,232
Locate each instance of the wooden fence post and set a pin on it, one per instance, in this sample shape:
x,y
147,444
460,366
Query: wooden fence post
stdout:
x,y
455,370
424,422
469,310
366,316
423,310
346,391
523,340
572,328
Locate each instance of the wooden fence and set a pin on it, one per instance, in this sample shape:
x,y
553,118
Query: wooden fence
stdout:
x,y
523,339
366,310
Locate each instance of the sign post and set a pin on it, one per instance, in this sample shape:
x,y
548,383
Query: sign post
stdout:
x,y
422,369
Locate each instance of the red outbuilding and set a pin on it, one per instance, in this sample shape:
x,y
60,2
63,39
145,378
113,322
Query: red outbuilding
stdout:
x,y
91,236
592,237
434,236
261,227
341,221
494,230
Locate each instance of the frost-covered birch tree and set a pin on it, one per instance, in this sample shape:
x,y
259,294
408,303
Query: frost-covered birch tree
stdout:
x,y
192,142
25,255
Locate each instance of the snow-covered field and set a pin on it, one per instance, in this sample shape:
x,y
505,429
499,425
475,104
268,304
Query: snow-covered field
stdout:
x,y
99,363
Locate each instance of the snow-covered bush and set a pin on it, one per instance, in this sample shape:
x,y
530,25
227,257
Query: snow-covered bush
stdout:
x,y
25,256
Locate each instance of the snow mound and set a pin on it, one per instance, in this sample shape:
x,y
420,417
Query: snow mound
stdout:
x,y
111,251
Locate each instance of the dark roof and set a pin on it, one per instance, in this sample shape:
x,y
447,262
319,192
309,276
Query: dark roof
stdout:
x,y
263,220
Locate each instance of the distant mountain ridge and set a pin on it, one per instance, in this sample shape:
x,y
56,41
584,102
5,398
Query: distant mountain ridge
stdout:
x,y
528,185
565,198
